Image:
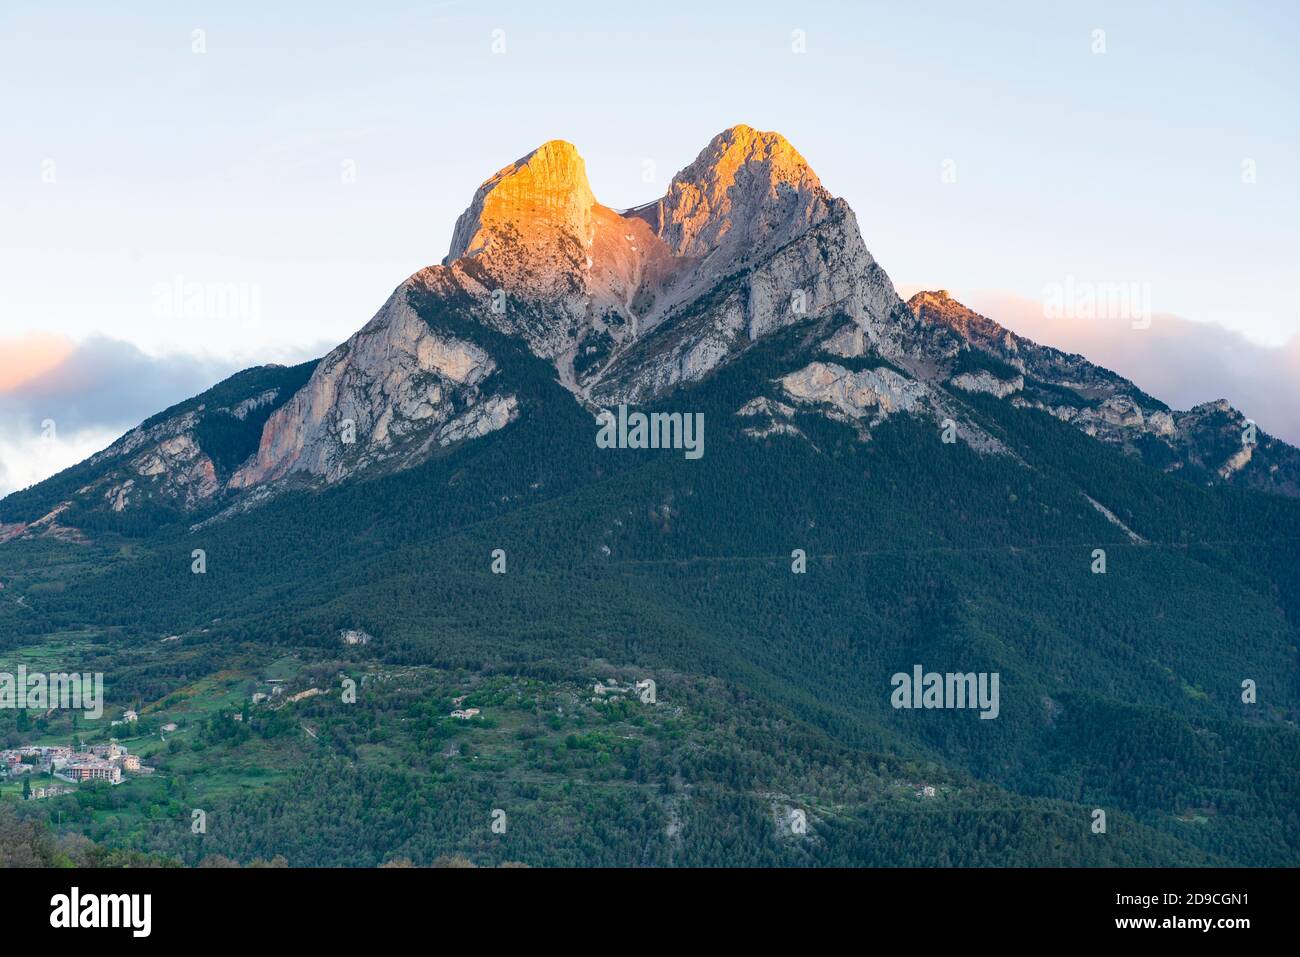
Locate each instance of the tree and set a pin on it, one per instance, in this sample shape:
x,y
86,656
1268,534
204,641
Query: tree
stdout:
x,y
27,789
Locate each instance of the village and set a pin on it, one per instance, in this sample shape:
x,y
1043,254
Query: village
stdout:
x,y
97,762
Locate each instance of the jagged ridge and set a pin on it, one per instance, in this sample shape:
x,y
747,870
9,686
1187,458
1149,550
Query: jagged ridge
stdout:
x,y
628,306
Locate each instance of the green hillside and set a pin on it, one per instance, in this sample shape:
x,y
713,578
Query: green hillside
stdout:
x,y
1119,691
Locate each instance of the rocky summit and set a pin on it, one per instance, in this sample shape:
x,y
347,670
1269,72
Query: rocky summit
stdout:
x,y
625,306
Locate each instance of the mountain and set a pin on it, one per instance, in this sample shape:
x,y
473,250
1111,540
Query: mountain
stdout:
x,y
181,459
883,485
1210,443
626,306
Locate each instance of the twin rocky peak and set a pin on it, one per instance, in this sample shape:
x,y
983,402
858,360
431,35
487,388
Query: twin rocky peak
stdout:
x,y
586,287
537,220
625,306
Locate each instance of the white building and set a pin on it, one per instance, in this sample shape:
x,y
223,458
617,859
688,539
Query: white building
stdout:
x,y
94,771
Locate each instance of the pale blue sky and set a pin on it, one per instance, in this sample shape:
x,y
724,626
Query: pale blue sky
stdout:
x,y
224,167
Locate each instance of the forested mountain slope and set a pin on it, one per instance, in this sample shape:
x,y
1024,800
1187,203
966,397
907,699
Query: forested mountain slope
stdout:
x,y
872,496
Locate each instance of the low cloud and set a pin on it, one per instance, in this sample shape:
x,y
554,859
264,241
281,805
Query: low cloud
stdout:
x,y
1181,362
61,401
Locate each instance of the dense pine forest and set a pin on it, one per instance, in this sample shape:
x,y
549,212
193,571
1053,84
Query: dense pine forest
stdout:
x,y
1120,691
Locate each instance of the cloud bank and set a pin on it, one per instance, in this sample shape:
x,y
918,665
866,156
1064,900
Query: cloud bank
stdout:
x,y
61,400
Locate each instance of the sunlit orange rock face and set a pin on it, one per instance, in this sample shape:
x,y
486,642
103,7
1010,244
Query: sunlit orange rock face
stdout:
x,y
534,201
747,186
747,191
535,230
586,285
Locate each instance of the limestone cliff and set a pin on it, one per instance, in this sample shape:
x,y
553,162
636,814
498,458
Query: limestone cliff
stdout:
x,y
625,306
393,391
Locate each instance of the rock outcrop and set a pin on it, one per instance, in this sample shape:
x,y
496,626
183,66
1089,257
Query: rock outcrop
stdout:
x,y
180,459
625,306
168,452
528,206
1214,439
391,393
746,195
988,383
